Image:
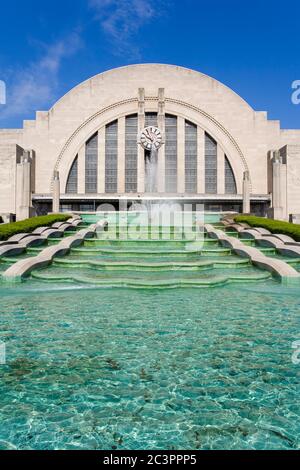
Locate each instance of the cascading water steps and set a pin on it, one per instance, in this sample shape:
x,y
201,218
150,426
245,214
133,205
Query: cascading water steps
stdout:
x,y
279,244
293,261
31,251
109,254
200,281
160,258
152,266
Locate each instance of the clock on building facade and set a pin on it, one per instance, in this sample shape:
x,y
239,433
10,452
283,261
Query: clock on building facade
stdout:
x,y
151,138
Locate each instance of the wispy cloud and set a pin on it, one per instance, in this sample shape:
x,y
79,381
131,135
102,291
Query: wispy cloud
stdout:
x,y
36,85
33,87
122,19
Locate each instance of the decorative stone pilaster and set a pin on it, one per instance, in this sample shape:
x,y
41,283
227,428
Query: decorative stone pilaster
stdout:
x,y
141,153
56,193
246,193
161,152
278,209
24,183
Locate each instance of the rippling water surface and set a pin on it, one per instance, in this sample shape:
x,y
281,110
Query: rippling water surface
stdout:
x,y
146,369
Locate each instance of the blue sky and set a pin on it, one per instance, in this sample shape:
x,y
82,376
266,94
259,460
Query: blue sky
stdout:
x,y
50,46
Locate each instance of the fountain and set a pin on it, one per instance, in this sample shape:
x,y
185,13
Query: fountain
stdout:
x,y
151,175
157,213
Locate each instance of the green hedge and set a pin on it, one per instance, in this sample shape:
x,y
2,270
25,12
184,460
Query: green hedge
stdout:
x,y
275,226
28,225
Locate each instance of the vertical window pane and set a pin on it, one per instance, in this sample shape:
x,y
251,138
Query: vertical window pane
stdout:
x,y
171,154
111,157
230,184
72,182
151,119
131,153
91,165
211,165
190,157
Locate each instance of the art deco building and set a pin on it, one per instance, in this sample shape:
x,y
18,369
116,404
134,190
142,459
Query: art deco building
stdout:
x,y
92,147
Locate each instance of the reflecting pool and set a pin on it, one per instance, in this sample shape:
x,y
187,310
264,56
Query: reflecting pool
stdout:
x,y
89,367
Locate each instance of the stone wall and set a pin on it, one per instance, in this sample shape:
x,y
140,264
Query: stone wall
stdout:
x,y
9,152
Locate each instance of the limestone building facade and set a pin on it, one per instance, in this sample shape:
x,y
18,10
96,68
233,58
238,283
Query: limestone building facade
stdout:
x,y
88,148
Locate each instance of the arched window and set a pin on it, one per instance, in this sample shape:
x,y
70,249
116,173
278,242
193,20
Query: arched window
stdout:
x,y
171,154
72,181
190,157
111,157
128,169
150,119
131,153
211,165
91,164
230,183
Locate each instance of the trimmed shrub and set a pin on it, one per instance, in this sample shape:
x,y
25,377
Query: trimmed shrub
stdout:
x,y
28,225
275,226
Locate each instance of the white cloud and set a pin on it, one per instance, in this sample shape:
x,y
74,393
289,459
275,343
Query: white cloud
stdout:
x,y
33,87
122,19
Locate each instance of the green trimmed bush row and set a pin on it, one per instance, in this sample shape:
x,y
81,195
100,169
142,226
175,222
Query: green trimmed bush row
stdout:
x,y
28,225
275,226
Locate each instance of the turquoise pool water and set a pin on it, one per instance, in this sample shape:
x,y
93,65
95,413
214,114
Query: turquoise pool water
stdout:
x,y
149,344
94,368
